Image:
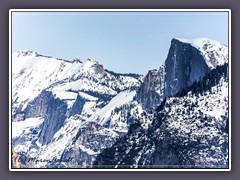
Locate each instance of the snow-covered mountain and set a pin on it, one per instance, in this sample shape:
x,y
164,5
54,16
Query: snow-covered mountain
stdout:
x,y
32,73
187,61
55,99
65,113
189,130
214,52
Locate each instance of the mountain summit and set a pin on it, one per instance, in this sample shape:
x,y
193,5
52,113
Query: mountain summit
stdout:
x,y
87,116
187,61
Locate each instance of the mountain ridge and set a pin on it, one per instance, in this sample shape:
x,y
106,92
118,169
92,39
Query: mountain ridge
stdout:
x,y
186,131
185,63
78,109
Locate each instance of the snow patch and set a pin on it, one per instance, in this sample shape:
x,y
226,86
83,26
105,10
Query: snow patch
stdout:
x,y
18,128
122,98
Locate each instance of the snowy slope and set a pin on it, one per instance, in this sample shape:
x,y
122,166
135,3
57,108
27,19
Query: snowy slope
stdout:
x,y
64,138
104,114
188,60
32,73
77,109
25,134
42,84
189,130
61,140
214,52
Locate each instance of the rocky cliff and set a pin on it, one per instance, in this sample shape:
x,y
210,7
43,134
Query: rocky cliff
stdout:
x,y
52,109
68,109
189,130
74,110
187,61
184,65
151,92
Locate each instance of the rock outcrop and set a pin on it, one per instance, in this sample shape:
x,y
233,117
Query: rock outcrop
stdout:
x,y
151,91
187,61
52,109
73,110
189,130
184,65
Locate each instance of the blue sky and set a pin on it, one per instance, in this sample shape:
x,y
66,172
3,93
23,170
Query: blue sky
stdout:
x,y
121,41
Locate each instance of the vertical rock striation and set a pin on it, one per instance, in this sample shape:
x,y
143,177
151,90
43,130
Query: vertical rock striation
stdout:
x,y
184,65
187,61
52,109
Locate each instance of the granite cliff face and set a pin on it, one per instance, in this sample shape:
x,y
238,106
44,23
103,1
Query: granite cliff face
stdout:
x,y
187,61
184,65
74,110
68,109
52,109
188,130
77,106
151,92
